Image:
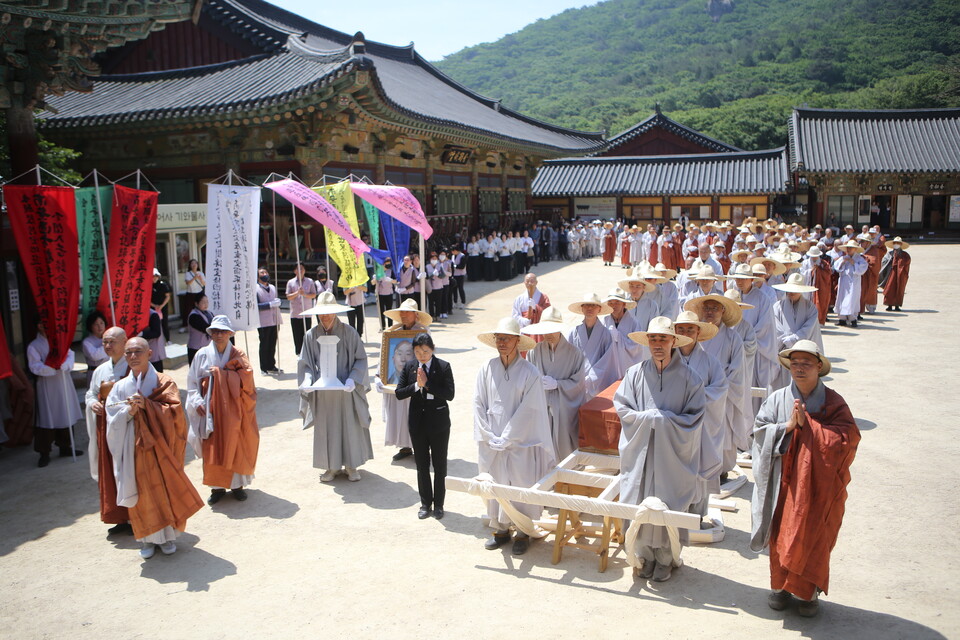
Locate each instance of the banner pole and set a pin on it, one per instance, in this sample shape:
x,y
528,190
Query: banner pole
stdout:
x,y
103,240
276,273
423,266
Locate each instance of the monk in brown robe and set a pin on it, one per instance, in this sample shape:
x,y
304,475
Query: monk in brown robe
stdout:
x,y
147,437
899,274
609,244
868,282
805,439
818,272
227,439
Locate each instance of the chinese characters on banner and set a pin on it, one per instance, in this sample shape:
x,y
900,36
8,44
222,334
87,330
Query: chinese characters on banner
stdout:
x,y
130,253
44,221
89,221
233,225
310,202
353,272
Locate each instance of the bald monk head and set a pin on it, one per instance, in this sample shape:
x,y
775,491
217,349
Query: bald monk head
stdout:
x,y
114,342
138,355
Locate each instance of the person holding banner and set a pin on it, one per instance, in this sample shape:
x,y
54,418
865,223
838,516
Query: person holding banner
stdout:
x,y
384,289
222,413
268,302
407,280
301,292
58,408
340,417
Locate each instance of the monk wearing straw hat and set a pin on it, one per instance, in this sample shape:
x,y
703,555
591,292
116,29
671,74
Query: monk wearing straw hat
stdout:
x,y
592,338
850,266
796,319
898,274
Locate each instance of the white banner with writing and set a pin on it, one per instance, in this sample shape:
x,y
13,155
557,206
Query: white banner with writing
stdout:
x,y
233,227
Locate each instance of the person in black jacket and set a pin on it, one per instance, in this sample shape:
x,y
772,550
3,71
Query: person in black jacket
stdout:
x,y
428,382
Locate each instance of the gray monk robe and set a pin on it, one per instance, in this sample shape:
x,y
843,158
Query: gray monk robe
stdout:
x,y
596,350
660,416
566,365
713,432
766,366
728,348
795,321
624,352
340,420
512,430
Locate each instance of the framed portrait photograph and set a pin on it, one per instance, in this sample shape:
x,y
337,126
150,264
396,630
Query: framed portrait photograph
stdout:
x,y
396,349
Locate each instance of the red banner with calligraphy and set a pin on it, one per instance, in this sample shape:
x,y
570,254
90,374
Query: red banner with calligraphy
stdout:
x,y
44,221
130,254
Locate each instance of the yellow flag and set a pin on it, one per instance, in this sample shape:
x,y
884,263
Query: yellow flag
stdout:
x,y
352,270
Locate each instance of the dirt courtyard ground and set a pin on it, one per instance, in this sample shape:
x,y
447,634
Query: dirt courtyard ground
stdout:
x,y
302,559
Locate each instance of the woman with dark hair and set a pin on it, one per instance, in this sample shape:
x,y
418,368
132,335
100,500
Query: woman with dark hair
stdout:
x,y
198,321
428,382
93,352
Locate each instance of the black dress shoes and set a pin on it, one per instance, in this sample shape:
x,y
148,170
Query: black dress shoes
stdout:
x,y
44,460
406,452
424,513
123,527
215,496
438,513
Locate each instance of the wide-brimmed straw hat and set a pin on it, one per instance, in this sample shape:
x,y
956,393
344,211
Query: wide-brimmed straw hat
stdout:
x,y
898,239
732,314
409,304
814,252
742,271
608,225
222,323
736,253
326,303
510,327
734,294
805,346
794,284
784,254
707,329
705,272
852,244
778,267
622,296
638,277
661,325
550,322
669,274
590,298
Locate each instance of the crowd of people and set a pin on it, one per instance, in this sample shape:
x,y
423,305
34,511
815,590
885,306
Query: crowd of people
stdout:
x,y
708,343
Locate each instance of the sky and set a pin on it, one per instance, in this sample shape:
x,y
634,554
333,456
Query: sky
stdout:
x,y
437,27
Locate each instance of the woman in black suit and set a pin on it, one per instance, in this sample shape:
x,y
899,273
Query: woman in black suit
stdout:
x,y
428,382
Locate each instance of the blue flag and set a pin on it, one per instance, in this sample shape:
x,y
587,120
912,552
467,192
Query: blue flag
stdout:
x,y
397,236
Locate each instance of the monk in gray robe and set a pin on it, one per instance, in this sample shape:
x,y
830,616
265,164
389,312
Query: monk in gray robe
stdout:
x,y
661,405
593,339
760,317
624,352
340,417
715,387
511,426
796,318
562,370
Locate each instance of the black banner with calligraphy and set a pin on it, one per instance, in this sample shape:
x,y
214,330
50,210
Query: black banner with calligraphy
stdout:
x,y
44,221
130,254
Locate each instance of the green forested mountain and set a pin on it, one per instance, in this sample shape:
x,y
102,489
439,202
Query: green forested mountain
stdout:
x,y
730,68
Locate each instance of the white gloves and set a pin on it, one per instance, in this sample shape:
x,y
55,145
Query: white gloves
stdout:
x,y
349,385
66,366
275,303
422,276
377,384
497,443
549,383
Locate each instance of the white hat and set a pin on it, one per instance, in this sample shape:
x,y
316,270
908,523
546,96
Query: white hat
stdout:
x,y
156,272
707,329
621,295
760,266
794,284
661,325
222,323
638,277
510,327
734,294
590,298
551,321
852,244
805,346
732,313
409,304
898,240
705,272
814,252
669,274
742,271
326,304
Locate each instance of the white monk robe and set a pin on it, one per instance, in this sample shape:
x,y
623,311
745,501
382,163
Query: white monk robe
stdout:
x,y
567,366
727,348
522,304
106,372
795,321
200,427
660,418
765,363
624,352
596,350
57,403
847,305
713,432
340,420
510,404
637,254
122,437
396,413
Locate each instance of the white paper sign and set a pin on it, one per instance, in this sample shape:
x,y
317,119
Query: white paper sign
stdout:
x,y
233,228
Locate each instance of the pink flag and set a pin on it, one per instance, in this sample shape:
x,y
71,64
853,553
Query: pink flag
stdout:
x,y
396,202
313,204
